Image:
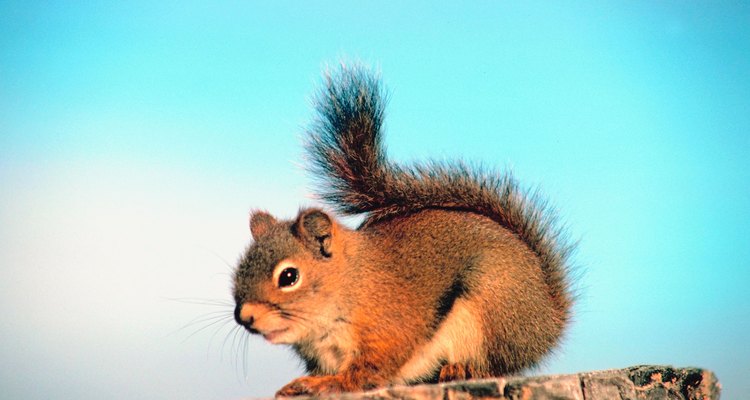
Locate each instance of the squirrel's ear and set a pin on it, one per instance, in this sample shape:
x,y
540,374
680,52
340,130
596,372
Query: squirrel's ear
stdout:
x,y
315,228
260,222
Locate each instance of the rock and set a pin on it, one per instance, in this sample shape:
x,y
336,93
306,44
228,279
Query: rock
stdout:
x,y
645,382
544,387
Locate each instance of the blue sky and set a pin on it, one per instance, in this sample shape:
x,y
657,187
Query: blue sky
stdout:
x,y
135,138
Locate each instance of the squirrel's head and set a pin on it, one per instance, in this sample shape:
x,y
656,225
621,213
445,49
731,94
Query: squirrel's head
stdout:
x,y
285,281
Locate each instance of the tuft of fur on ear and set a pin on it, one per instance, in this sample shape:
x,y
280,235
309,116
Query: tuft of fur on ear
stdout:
x,y
315,228
260,222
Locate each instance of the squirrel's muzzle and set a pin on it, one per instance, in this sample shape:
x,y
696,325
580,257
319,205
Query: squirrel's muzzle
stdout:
x,y
244,315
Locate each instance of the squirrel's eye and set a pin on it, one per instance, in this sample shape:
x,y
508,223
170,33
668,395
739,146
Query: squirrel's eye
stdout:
x,y
288,277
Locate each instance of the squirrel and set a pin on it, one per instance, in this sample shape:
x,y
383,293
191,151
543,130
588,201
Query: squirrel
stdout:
x,y
453,274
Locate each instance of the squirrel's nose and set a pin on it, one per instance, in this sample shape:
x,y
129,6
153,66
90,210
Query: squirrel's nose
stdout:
x,y
243,314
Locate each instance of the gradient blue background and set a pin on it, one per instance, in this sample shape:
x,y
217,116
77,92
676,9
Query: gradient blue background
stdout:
x,y
136,136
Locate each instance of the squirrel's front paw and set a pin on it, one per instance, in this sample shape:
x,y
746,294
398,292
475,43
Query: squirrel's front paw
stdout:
x,y
311,386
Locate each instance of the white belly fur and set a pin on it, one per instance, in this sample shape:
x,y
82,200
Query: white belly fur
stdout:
x,y
459,339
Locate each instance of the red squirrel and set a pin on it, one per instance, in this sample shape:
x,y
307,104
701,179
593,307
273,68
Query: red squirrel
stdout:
x,y
454,273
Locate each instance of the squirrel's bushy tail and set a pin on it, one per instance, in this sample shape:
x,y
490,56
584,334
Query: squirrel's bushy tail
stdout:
x,y
348,158
345,141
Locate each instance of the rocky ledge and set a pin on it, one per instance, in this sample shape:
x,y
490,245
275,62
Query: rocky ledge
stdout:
x,y
645,382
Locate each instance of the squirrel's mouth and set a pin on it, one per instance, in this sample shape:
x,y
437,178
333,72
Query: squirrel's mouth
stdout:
x,y
274,336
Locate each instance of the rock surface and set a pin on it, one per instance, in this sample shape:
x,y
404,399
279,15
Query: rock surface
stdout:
x,y
646,382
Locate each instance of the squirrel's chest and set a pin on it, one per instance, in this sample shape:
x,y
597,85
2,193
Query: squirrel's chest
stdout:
x,y
329,352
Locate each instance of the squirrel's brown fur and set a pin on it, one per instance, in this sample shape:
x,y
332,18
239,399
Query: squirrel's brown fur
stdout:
x,y
453,274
